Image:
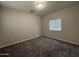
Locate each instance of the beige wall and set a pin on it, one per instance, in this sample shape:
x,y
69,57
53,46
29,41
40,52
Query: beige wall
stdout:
x,y
18,26
70,24
0,22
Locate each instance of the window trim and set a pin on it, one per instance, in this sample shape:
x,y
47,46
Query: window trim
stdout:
x,y
55,30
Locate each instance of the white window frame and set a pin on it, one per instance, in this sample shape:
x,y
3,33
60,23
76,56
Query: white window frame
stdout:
x,y
56,18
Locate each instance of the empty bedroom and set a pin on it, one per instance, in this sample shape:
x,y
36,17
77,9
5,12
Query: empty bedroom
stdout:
x,y
39,28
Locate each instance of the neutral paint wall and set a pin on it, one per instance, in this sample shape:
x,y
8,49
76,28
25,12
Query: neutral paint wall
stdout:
x,y
70,24
0,24
18,26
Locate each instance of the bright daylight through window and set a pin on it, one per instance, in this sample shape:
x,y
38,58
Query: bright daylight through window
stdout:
x,y
55,24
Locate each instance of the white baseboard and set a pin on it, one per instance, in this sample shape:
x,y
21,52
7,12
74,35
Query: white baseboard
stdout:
x,y
20,41
36,37
63,40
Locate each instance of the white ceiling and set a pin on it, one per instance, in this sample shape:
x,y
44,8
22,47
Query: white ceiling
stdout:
x,y
27,6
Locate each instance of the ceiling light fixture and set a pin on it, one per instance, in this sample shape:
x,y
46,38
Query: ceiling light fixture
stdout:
x,y
40,5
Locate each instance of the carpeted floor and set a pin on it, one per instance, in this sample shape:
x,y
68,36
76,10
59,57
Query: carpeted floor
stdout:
x,y
41,47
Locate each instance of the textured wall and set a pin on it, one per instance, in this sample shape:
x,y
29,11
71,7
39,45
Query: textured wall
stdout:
x,y
18,26
70,24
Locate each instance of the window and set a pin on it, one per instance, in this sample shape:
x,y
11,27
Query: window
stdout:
x,y
55,24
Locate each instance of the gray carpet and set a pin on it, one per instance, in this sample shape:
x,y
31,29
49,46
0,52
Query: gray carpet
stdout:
x,y
41,47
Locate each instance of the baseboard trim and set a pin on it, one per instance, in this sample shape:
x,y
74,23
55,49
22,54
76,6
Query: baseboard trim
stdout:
x,y
63,40
36,37
19,41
